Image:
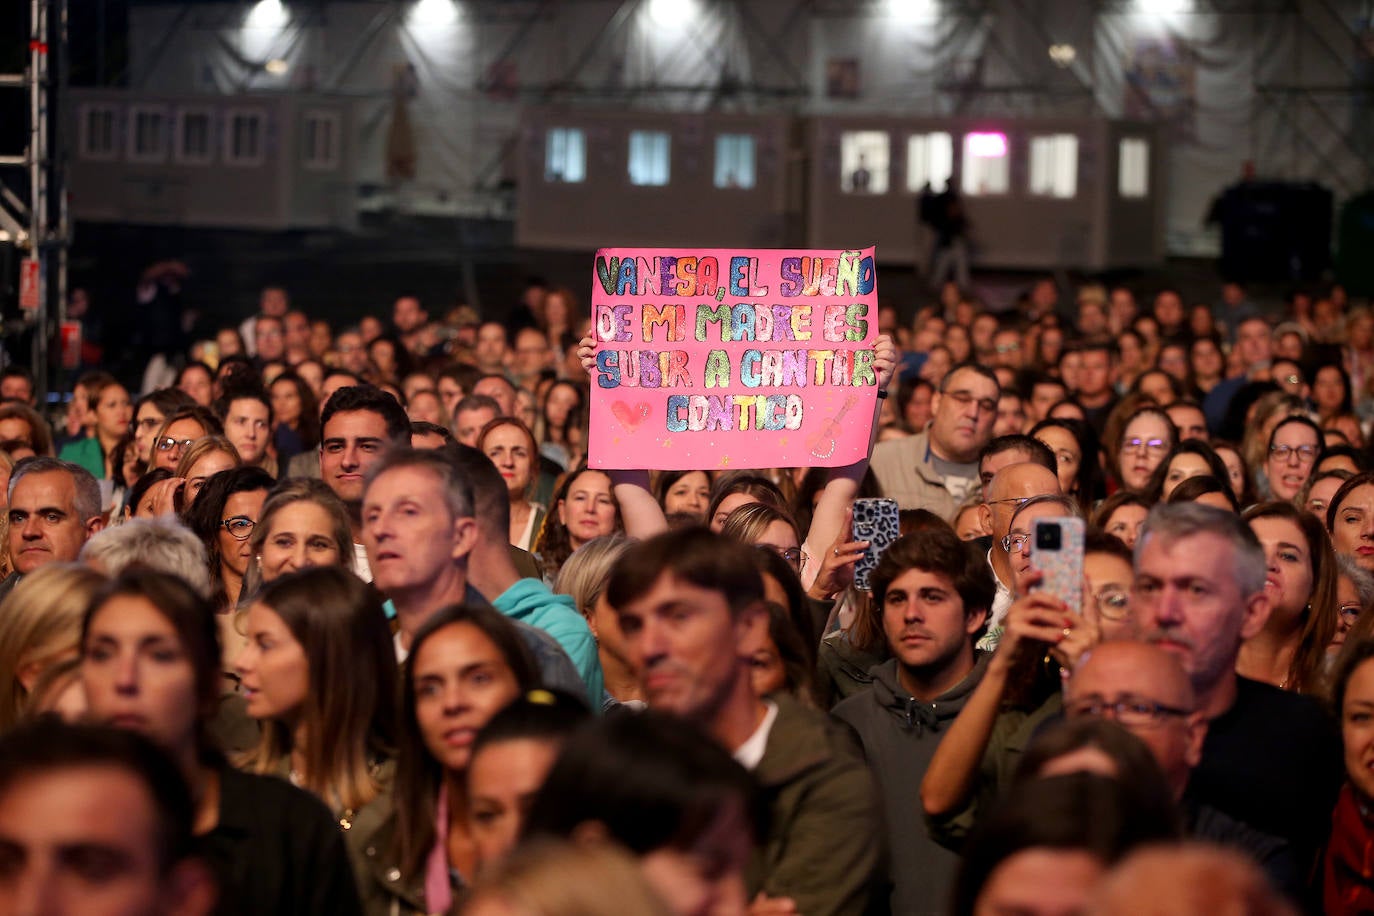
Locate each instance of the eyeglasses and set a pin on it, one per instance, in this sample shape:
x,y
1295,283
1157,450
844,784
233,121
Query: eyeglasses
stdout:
x,y
1007,347
1306,453
167,443
1153,446
795,557
1349,614
965,398
1129,711
1016,501
1015,543
240,526
1113,603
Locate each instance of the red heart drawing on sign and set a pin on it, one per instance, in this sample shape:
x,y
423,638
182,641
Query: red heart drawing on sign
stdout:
x,y
630,415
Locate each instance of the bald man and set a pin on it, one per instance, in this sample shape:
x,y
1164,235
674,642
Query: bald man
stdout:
x,y
1008,488
1145,690
1189,879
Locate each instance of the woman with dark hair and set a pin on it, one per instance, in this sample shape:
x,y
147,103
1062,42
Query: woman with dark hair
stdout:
x,y
1189,458
1295,447
1207,490
584,507
466,663
297,415
684,493
390,359
197,381
151,663
561,417
737,489
511,756
510,446
1348,886
149,413
1331,393
1237,471
1350,520
1146,437
1045,849
317,674
665,792
1092,744
1289,651
1122,515
1075,448
223,517
1159,385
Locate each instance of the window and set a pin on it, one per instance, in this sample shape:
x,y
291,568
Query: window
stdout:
x,y
649,157
863,162
1054,165
929,160
985,164
245,142
194,145
734,161
147,134
320,140
565,155
99,126
1133,167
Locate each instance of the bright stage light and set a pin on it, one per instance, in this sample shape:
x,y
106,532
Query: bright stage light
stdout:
x,y
673,12
433,14
268,14
1165,8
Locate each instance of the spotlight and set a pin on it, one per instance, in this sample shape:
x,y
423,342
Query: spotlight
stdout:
x,y
276,66
1063,55
268,14
433,14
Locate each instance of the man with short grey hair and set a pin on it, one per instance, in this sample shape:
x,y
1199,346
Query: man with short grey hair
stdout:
x,y
1272,758
54,508
161,543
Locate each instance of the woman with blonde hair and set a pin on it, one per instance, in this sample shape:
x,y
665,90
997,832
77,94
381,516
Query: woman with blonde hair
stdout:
x,y
511,447
584,578
764,526
302,524
551,877
40,626
202,460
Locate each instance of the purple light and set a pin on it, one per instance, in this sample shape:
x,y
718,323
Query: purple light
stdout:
x,y
986,146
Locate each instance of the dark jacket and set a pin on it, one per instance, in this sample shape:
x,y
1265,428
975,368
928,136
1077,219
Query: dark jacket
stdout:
x,y
899,735
277,849
824,847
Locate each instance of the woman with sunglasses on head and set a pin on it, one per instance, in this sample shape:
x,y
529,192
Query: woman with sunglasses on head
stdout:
x,y
223,517
466,663
151,663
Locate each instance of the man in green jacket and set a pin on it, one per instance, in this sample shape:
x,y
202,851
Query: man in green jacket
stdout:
x,y
685,600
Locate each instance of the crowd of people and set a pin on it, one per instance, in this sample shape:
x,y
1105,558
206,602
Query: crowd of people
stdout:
x,y
339,620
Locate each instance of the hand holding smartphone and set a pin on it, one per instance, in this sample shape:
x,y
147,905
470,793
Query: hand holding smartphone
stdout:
x,y
876,521
1057,552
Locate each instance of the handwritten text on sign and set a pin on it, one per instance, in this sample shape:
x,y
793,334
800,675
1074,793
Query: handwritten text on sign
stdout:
x,y
732,359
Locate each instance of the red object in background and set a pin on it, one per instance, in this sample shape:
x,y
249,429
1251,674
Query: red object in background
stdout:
x,y
29,282
69,337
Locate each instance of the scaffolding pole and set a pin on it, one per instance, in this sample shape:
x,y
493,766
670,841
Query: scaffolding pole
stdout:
x,y
39,226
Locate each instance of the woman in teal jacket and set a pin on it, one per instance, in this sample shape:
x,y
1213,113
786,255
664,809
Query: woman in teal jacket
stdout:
x,y
109,402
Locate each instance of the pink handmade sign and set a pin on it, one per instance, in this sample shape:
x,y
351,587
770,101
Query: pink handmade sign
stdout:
x,y
717,358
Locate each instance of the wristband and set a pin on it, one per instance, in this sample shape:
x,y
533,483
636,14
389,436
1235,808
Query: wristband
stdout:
x,y
882,392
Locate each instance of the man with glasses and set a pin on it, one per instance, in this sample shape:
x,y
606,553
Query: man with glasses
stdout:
x,y
54,508
1271,758
1009,489
933,594
1144,689
937,469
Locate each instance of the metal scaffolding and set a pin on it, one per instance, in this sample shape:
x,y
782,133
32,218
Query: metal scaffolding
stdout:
x,y
34,218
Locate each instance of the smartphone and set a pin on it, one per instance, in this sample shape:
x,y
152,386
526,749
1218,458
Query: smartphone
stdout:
x,y
1057,551
875,521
